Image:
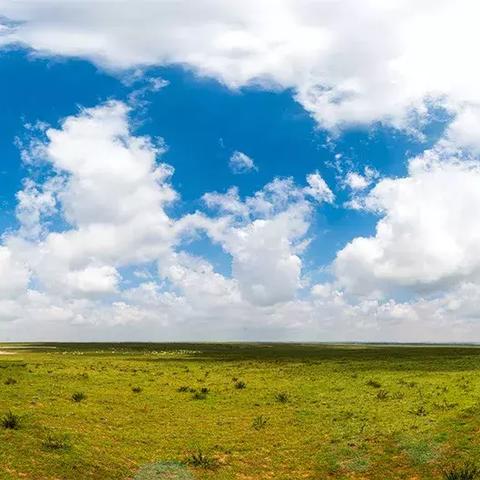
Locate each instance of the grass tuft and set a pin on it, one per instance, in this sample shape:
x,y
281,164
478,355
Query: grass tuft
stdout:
x,y
240,385
78,397
259,422
420,411
200,459
282,397
382,394
199,396
56,441
10,421
468,471
10,381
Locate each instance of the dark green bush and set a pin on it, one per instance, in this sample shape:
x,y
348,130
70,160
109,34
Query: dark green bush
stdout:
x,y
78,396
10,421
282,397
202,460
240,385
259,422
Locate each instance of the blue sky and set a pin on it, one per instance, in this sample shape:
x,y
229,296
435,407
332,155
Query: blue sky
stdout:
x,y
124,216
202,123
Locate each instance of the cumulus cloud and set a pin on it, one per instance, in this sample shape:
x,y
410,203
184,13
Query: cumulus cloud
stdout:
x,y
264,234
104,208
427,238
318,188
241,163
347,62
110,191
357,181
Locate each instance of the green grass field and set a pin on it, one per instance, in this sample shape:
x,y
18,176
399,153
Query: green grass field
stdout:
x,y
266,411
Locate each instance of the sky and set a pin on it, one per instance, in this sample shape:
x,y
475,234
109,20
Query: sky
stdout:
x,y
289,170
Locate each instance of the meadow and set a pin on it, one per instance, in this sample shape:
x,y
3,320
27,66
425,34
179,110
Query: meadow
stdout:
x,y
238,411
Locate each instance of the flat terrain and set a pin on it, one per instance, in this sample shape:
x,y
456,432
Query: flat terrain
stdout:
x,y
267,411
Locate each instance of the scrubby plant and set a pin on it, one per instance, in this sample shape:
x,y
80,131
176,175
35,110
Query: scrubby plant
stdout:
x,y
136,389
183,388
445,405
282,397
468,471
78,397
240,385
56,441
200,459
199,396
10,381
259,422
420,411
407,384
10,421
374,384
204,390
382,394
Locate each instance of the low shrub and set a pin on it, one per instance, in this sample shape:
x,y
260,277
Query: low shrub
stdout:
x,y
78,396
10,421
202,460
240,385
259,422
382,394
468,471
199,396
282,397
420,411
56,441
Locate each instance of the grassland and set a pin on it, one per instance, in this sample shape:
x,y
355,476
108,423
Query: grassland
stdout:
x,y
266,411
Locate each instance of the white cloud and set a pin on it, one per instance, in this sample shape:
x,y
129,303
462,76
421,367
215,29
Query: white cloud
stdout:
x,y
463,131
241,163
427,238
264,234
103,209
356,181
93,280
109,189
347,62
14,275
318,188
